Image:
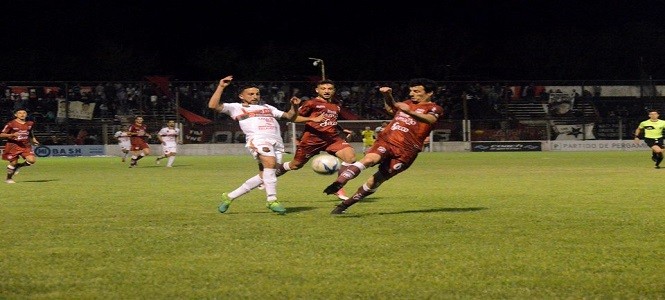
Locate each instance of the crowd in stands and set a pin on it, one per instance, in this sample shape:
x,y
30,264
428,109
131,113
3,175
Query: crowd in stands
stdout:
x,y
113,100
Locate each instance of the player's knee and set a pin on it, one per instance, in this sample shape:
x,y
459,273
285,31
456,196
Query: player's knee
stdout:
x,y
295,165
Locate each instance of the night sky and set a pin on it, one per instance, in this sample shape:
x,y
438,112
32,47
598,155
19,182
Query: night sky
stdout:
x,y
272,40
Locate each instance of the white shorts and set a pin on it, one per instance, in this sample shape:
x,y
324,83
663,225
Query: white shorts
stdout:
x,y
125,146
168,149
265,147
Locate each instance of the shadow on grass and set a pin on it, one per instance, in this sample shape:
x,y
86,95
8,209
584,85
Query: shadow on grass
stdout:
x,y
41,180
433,210
292,209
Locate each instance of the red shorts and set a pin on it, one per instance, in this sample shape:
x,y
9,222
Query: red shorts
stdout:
x,y
394,159
139,145
13,151
310,145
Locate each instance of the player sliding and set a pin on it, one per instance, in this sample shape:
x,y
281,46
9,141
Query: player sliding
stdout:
x,y
398,145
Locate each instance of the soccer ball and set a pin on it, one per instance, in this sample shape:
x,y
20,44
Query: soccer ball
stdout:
x,y
325,164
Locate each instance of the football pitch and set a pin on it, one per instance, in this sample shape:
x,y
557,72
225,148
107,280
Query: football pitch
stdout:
x,y
526,225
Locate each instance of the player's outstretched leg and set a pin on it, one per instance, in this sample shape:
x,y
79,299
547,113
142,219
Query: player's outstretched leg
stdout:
x,y
226,202
352,171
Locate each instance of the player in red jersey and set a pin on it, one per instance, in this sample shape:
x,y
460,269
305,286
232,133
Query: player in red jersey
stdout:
x,y
138,134
398,144
323,135
18,133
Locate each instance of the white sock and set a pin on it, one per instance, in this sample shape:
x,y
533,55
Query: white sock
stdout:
x,y
249,185
359,165
170,161
270,183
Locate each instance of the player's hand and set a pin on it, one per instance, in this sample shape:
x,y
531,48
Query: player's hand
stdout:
x,y
224,82
295,100
385,90
636,140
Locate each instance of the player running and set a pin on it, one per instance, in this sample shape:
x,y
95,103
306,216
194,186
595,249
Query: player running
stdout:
x,y
168,136
138,133
18,133
123,142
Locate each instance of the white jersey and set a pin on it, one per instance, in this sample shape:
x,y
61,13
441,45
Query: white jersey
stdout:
x,y
169,136
123,139
256,121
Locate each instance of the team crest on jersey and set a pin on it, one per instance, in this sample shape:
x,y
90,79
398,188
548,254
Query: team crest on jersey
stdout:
x,y
381,149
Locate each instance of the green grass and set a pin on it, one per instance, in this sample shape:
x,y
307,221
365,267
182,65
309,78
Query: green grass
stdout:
x,y
544,225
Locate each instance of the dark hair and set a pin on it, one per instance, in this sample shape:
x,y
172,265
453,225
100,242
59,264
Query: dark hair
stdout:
x,y
428,84
246,86
20,109
325,81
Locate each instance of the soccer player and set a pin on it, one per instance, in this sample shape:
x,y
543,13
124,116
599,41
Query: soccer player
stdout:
x,y
653,136
263,136
18,133
322,135
123,142
138,134
380,128
168,136
398,145
368,138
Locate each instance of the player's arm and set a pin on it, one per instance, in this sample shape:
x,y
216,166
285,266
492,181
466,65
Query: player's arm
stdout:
x,y
301,119
214,102
423,117
388,99
638,130
292,114
33,137
8,135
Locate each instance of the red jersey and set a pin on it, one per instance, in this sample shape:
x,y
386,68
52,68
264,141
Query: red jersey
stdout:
x,y
140,131
23,140
406,132
327,128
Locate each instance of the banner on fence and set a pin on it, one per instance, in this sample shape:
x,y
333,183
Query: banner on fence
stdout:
x,y
574,132
505,146
598,145
69,150
77,110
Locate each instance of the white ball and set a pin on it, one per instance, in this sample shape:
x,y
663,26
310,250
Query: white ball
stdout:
x,y
325,164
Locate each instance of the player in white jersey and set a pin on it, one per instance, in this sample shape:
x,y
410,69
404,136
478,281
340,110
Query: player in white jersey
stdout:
x,y
168,136
264,140
123,142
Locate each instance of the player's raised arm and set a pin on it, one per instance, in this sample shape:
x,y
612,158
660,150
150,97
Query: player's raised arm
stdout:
x,y
292,114
214,102
388,99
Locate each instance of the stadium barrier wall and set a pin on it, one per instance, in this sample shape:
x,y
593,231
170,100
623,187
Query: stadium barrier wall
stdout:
x,y
239,149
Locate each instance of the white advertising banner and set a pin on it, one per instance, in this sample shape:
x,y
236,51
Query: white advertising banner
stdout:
x,y
598,145
574,132
77,110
